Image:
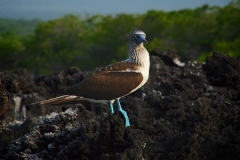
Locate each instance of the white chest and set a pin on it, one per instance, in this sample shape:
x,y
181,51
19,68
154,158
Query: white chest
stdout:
x,y
144,70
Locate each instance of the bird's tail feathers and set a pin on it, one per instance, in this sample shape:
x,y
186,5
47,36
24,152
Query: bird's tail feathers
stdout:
x,y
60,100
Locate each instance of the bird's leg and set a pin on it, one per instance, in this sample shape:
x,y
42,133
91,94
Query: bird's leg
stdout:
x,y
111,107
127,123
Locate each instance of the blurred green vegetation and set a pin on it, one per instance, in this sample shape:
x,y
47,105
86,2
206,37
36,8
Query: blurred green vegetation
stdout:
x,y
19,27
91,41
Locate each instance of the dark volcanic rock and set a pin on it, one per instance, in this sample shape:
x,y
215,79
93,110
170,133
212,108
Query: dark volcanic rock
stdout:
x,y
186,111
3,102
77,134
224,71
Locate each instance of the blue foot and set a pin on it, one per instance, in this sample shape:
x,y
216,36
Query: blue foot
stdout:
x,y
127,123
111,107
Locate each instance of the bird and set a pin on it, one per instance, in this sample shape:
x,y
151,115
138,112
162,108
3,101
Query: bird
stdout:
x,y
114,81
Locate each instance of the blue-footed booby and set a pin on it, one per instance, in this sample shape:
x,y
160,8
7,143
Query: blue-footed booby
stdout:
x,y
112,82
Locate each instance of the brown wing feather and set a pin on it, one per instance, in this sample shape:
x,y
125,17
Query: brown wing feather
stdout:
x,y
107,84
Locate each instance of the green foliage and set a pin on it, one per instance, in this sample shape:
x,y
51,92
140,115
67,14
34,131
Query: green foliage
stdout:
x,y
11,48
92,41
19,27
226,35
58,44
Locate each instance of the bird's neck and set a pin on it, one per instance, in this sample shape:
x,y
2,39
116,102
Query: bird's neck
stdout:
x,y
138,55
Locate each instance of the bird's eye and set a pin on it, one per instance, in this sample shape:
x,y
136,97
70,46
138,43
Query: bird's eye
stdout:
x,y
135,36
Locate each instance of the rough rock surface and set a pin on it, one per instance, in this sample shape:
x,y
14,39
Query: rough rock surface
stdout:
x,y
186,111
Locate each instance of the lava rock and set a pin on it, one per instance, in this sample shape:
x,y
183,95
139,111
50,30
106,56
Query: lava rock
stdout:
x,y
188,111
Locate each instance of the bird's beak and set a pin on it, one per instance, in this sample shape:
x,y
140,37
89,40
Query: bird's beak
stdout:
x,y
142,38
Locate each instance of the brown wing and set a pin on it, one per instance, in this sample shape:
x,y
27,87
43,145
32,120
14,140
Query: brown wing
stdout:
x,y
107,84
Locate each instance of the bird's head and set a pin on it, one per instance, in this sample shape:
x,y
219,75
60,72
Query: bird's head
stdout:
x,y
138,37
